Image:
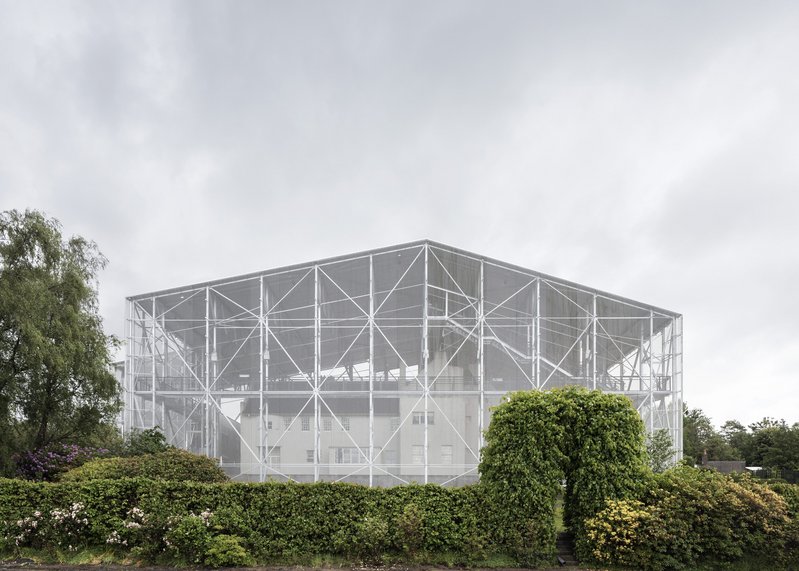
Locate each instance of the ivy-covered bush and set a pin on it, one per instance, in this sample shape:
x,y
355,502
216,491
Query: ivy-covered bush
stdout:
x,y
188,523
171,464
690,518
789,493
594,441
48,463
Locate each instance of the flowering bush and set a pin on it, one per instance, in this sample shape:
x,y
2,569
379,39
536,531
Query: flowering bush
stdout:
x,y
57,529
691,518
613,535
190,537
184,522
48,463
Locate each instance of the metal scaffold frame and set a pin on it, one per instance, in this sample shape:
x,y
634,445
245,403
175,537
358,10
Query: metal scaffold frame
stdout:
x,y
382,367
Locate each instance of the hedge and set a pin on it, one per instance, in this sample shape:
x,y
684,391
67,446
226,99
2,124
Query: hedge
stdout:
x,y
592,440
789,493
236,523
694,519
172,464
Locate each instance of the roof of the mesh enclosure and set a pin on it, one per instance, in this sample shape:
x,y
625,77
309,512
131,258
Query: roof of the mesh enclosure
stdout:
x,y
406,245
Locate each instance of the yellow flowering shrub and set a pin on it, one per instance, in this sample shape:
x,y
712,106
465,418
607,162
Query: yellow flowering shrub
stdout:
x,y
693,519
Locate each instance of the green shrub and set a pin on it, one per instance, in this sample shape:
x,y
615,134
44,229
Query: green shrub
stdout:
x,y
789,493
692,518
182,522
171,464
190,539
227,551
593,440
148,441
366,541
409,529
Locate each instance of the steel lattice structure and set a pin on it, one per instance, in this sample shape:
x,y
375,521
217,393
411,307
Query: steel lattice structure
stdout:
x,y
382,367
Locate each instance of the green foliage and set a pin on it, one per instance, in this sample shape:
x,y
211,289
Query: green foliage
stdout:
x,y
55,379
190,539
789,493
369,541
774,445
227,551
181,522
537,439
689,519
699,436
172,464
149,441
410,532
769,443
659,451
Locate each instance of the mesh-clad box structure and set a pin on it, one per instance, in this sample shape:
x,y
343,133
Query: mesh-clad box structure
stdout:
x,y
382,367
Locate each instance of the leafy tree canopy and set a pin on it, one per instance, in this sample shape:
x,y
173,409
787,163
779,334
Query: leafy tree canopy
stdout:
x,y
56,383
769,443
659,451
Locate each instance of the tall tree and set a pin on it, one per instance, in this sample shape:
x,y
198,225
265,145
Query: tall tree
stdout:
x,y
775,444
56,383
659,451
700,436
739,439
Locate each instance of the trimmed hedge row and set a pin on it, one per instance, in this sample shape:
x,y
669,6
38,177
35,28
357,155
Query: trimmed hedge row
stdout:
x,y
236,524
694,519
171,464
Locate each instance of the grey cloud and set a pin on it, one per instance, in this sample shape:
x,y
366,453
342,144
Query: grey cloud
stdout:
x,y
643,148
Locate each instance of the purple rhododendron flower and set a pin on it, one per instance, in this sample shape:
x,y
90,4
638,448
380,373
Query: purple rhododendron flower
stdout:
x,y
48,462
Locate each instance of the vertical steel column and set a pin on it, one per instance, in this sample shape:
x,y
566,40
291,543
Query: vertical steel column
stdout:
x,y
207,365
651,377
128,376
371,369
154,351
480,373
265,388
593,341
425,354
317,368
211,417
538,333
260,448
676,372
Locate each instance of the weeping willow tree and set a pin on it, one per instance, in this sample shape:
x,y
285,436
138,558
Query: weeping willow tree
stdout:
x,y
56,384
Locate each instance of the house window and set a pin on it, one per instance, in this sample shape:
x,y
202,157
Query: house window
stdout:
x,y
272,455
417,456
395,423
306,423
269,425
327,424
418,417
446,454
345,422
309,456
348,455
286,422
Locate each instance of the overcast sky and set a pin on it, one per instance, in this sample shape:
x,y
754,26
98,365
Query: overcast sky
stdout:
x,y
650,149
